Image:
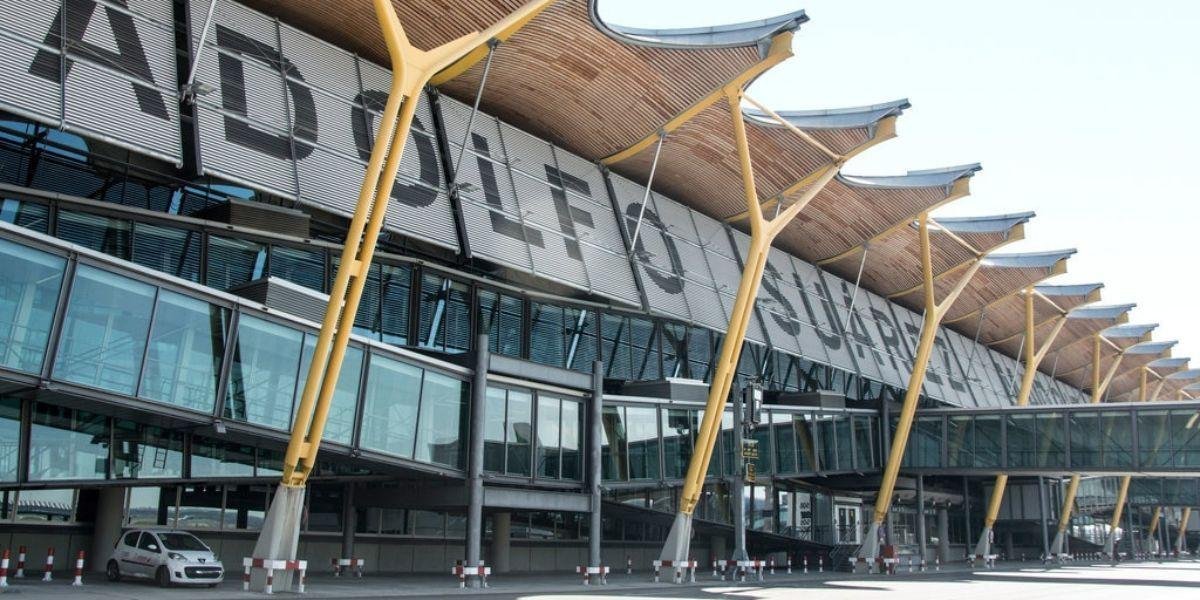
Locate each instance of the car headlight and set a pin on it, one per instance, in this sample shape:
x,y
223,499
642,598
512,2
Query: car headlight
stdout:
x,y
176,556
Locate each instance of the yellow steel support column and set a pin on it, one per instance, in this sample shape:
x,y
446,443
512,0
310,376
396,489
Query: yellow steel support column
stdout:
x,y
1110,545
1154,523
1183,522
411,71
1064,516
934,311
1033,359
762,233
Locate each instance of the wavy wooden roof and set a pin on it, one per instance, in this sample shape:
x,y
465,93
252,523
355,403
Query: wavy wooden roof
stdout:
x,y
1001,324
1074,361
606,92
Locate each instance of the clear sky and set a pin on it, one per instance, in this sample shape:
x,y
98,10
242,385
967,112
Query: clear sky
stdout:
x,y
1078,110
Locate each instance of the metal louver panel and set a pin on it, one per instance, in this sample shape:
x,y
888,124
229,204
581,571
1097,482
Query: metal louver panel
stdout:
x,y
295,116
120,70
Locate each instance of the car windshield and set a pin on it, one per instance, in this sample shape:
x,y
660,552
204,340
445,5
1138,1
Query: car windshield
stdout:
x,y
182,541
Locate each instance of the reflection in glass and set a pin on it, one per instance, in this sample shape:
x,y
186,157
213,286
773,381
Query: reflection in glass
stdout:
x,y
183,361
500,316
55,506
10,438
263,373
29,285
519,432
614,458
679,427
99,233
200,506
441,433
390,407
641,423
493,430
211,458
104,331
549,435
150,507
145,451
572,434
67,444
339,425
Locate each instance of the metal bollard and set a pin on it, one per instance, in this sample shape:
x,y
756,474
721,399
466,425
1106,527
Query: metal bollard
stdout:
x,y
78,569
49,565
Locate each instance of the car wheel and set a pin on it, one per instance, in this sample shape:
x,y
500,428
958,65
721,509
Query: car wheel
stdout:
x,y
163,577
112,571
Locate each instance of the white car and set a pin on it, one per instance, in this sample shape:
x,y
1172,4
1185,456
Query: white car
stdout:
x,y
166,556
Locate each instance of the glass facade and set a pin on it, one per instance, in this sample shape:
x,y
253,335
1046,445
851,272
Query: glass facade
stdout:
x,y
29,288
263,373
104,332
185,351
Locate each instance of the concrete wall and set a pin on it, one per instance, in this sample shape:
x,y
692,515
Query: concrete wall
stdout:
x,y
67,542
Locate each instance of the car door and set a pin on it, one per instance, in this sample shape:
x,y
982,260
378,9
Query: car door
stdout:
x,y
126,554
149,553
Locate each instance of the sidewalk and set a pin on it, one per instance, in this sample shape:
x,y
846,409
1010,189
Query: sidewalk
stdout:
x,y
375,585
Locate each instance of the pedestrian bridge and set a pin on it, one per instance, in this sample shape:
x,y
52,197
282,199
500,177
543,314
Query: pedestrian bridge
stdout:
x,y
1131,438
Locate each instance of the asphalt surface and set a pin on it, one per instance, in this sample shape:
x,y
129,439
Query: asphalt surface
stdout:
x,y
1129,581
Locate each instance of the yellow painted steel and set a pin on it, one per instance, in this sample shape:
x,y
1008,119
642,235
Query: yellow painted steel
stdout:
x,y
1154,522
411,71
1158,387
762,233
1033,359
1122,495
934,311
1064,518
1183,522
779,51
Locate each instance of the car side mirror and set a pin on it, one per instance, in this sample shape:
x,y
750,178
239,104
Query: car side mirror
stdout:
x,y
152,548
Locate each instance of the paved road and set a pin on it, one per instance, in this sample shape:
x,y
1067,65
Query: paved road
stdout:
x,y
1139,581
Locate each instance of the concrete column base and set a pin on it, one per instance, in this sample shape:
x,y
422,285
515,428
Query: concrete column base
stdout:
x,y
110,518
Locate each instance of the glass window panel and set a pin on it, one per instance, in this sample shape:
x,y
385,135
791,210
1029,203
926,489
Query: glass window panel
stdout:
x,y
644,344
263,373
519,432
615,346
445,314
845,442
500,317
572,435
428,523
200,507
829,442
642,425
987,441
234,262
245,507
211,458
46,506
729,458
547,335
1052,440
493,430
395,287
764,463
183,361
1154,449
168,249
674,350
1085,439
339,426
29,287
104,332
67,444
679,429
150,507
367,322
614,457
390,407
549,434
1116,439
99,233
1021,440
960,437
864,442
1186,438
145,451
10,438
925,444
23,213
803,427
299,265
442,429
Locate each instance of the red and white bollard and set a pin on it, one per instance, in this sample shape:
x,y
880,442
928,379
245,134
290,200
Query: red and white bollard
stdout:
x,y
49,564
771,562
628,565
805,563
821,564
4,569
78,569
20,562
789,564
937,563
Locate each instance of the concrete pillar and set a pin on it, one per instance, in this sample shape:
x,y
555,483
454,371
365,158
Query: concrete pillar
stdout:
x,y
737,487
595,437
501,541
943,525
967,510
921,530
1009,550
349,521
1044,512
110,517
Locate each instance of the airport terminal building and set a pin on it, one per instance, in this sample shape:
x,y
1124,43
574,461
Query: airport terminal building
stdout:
x,y
176,179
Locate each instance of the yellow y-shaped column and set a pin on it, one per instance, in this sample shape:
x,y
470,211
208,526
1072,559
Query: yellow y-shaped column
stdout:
x,y
1182,536
1033,359
411,71
762,233
1099,386
934,311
